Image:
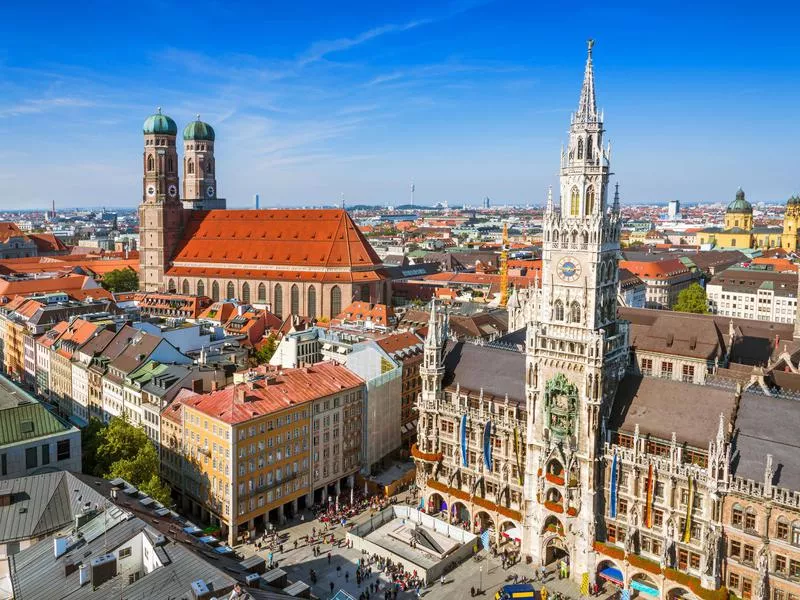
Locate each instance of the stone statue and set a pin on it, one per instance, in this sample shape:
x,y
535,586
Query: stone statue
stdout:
x,y
761,592
710,551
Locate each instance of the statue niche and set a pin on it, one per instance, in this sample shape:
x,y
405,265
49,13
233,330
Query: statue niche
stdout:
x,y
561,405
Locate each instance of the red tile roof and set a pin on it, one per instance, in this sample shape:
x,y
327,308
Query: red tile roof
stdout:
x,y
309,238
74,286
364,311
47,242
284,389
656,269
400,341
9,230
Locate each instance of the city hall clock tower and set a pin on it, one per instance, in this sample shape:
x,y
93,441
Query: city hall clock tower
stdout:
x,y
576,348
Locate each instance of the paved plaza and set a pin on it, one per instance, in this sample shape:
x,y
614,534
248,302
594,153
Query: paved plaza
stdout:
x,y
484,572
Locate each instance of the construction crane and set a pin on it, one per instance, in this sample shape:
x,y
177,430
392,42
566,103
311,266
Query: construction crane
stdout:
x,y
504,267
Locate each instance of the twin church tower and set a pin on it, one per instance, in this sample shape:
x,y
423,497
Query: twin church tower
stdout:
x,y
161,213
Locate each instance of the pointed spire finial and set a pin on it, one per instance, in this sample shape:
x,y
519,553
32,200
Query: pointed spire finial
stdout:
x,y
158,109
587,107
590,45
198,116
550,198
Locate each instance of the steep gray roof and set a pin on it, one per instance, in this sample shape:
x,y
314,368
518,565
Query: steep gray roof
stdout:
x,y
496,371
42,504
767,425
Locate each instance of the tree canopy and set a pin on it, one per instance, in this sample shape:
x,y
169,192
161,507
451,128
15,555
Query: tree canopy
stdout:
x,y
692,300
121,280
120,449
267,349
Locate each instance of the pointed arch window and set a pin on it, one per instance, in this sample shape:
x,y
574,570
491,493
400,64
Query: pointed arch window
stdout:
x,y
558,311
311,307
190,167
277,294
580,149
589,143
171,286
336,300
185,287
215,291
294,297
575,313
151,163
262,292
590,200
231,290
170,166
246,293
575,202
201,288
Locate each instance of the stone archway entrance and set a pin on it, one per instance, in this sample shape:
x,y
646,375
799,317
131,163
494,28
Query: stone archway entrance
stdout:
x,y
461,514
554,550
436,504
679,593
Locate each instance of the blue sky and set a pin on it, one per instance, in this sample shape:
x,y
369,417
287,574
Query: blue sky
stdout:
x,y
464,98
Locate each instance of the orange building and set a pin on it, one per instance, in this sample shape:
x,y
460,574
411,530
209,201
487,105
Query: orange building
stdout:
x,y
240,457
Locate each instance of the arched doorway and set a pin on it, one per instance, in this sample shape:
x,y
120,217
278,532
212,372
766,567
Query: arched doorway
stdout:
x,y
460,514
483,521
608,572
554,549
436,504
510,532
645,585
681,593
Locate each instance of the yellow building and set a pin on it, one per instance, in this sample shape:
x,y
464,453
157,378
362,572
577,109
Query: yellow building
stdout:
x,y
239,458
739,230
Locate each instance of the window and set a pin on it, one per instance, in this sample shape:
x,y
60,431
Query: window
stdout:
x,y
45,454
62,450
750,519
589,195
574,203
125,552
190,167
30,458
683,559
666,370
647,366
733,581
688,373
780,564
311,308
185,287
748,555
735,549
262,292
3,464
737,516
558,311
277,294
794,569
796,534
747,588
215,291
580,149
575,313
231,290
336,301
245,293
295,300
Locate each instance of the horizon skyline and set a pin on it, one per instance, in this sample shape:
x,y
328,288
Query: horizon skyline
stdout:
x,y
340,109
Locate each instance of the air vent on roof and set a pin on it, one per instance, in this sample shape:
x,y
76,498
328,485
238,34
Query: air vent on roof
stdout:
x,y
670,339
26,426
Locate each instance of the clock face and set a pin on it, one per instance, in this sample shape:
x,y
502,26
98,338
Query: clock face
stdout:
x,y
173,191
210,191
151,190
568,269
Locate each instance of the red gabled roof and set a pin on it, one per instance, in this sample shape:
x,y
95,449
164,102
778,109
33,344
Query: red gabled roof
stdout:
x,y
309,238
9,230
655,269
47,242
284,389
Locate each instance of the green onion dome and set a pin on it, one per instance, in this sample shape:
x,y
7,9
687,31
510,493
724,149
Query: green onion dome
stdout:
x,y
161,124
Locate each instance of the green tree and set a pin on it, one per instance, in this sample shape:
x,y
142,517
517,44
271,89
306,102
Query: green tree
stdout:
x,y
267,349
157,489
139,468
121,280
692,300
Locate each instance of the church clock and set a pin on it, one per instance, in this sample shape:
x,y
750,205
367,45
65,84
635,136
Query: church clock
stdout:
x,y
568,269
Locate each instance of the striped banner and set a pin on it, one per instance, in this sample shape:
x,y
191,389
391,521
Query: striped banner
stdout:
x,y
485,539
464,452
648,507
613,511
518,452
487,445
687,530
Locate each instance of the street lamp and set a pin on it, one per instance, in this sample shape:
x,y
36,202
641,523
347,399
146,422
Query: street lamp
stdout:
x,y
480,581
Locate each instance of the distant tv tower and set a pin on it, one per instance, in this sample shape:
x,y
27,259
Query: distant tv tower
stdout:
x,y
413,187
257,201
342,196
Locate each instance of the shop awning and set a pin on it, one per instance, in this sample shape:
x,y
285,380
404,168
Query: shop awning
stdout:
x,y
613,575
644,588
513,533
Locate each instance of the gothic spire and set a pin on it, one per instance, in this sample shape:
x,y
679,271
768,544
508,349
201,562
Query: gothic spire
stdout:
x,y
587,107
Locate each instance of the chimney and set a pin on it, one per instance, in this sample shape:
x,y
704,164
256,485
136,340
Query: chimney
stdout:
x,y
240,394
197,386
214,386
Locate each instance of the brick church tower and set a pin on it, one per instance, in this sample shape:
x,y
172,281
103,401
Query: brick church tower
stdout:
x,y
161,214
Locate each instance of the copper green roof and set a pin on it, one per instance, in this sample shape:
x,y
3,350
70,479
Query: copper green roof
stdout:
x,y
740,205
197,130
159,123
28,422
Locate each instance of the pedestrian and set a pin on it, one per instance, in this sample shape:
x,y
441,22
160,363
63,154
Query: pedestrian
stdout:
x,y
331,587
442,580
347,576
329,558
